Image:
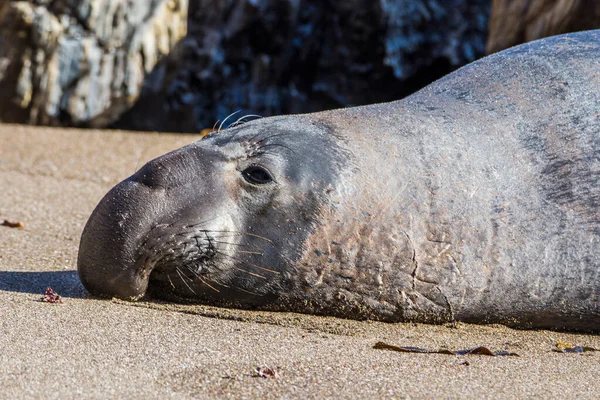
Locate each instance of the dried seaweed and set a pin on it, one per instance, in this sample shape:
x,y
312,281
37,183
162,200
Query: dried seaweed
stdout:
x,y
266,372
50,296
484,351
18,224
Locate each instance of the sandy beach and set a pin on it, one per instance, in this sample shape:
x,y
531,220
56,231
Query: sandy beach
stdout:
x,y
84,347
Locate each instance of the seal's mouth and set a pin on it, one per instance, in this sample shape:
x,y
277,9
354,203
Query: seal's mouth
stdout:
x,y
193,264
180,261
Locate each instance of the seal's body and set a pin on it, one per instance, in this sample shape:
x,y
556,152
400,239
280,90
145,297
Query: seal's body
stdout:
x,y
476,199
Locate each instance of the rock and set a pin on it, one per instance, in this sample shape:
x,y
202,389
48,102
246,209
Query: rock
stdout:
x,y
99,63
513,22
292,56
81,63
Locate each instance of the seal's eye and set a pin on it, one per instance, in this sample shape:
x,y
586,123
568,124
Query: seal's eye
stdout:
x,y
257,175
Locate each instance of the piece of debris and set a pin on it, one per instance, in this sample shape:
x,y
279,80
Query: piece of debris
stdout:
x,y
562,347
484,351
266,372
18,224
50,296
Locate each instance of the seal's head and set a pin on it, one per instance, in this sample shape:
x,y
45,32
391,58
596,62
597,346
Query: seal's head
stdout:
x,y
222,220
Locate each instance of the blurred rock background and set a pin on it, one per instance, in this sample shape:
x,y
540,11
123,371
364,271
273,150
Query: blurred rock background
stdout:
x,y
167,65
82,62
271,57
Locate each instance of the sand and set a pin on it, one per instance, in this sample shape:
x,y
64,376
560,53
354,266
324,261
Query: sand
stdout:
x,y
51,179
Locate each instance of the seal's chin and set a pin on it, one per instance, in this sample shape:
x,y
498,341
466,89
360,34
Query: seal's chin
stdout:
x,y
205,275
181,261
184,281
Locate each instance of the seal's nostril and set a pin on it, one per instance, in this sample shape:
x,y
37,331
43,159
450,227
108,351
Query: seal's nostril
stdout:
x,y
165,172
154,175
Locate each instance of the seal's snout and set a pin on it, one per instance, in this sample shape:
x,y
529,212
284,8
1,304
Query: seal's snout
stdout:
x,y
113,238
106,263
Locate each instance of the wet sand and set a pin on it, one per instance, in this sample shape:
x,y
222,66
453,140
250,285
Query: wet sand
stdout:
x,y
51,179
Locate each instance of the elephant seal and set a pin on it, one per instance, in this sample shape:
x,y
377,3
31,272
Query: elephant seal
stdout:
x,y
476,199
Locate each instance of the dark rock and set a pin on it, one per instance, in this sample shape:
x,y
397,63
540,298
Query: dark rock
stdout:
x,y
85,63
292,56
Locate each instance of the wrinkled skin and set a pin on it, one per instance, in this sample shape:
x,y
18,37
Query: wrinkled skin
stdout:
x,y
476,199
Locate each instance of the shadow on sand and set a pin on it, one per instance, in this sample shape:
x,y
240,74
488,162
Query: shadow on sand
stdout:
x,y
65,283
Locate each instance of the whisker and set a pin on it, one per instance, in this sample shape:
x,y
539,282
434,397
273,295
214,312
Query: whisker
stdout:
x,y
241,233
236,124
248,252
200,223
248,263
229,234
241,119
229,116
267,137
170,281
183,280
222,284
247,291
246,233
225,236
249,273
182,275
238,268
210,286
263,268
215,125
204,221
202,280
255,136
274,145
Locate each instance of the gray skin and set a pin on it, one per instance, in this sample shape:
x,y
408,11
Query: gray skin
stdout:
x,y
475,199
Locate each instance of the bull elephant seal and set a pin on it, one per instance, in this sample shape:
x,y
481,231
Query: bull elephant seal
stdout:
x,y
476,199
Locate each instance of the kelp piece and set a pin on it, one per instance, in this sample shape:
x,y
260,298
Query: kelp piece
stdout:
x,y
484,351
